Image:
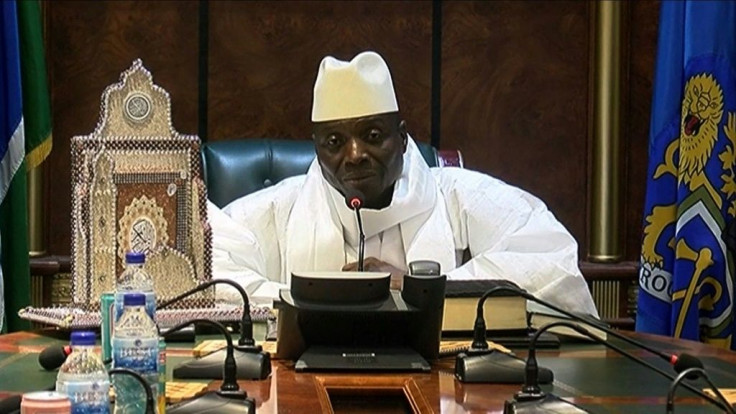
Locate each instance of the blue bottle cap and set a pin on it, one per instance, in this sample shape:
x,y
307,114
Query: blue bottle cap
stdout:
x,y
134,299
83,338
135,257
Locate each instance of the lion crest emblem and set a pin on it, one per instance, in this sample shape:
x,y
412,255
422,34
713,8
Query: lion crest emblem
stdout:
x,y
687,158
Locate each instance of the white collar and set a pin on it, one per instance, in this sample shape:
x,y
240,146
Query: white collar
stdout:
x,y
414,194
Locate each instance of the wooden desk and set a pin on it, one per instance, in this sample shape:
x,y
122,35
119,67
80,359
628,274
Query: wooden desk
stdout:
x,y
589,375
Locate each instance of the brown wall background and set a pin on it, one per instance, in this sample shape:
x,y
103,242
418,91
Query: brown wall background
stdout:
x,y
514,94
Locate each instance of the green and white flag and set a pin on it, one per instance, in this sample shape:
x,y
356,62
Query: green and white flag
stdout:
x,y
25,141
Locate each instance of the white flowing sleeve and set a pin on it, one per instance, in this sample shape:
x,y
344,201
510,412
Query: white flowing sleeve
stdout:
x,y
237,255
512,235
247,235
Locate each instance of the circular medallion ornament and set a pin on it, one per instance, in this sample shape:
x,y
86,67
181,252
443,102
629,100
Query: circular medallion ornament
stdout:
x,y
137,107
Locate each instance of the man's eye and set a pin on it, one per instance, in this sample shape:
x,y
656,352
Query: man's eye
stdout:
x,y
332,141
374,135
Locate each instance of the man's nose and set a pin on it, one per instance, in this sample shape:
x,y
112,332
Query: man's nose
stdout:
x,y
356,151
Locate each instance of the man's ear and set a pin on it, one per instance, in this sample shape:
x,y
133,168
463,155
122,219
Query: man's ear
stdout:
x,y
404,134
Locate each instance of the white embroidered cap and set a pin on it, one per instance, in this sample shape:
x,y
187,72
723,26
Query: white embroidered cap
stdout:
x,y
353,89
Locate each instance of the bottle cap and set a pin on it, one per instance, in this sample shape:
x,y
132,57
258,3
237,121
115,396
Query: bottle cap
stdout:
x,y
83,338
134,299
135,257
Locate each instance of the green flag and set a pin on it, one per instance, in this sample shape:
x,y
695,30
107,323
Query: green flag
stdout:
x,y
36,108
25,143
14,232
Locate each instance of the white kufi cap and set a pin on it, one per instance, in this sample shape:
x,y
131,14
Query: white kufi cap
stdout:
x,y
361,87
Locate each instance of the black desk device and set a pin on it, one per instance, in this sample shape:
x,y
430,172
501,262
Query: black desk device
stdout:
x,y
353,322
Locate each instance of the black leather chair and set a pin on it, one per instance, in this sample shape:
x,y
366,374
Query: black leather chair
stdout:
x,y
234,168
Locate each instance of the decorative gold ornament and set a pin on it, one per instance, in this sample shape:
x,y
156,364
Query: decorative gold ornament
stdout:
x,y
137,186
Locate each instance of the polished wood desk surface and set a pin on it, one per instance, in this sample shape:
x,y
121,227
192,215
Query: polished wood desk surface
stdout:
x,y
589,375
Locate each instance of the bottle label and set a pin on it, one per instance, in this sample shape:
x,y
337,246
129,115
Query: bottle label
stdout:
x,y
87,396
150,304
138,354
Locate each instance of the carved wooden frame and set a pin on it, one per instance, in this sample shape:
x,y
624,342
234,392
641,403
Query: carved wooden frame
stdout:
x,y
371,386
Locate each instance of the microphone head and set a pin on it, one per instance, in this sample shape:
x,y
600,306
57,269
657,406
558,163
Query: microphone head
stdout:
x,y
53,357
686,361
354,199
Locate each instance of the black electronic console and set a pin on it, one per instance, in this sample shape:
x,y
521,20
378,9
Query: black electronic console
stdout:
x,y
352,321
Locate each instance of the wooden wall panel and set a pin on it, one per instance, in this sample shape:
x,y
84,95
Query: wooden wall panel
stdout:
x,y
515,97
514,92
643,26
88,44
264,58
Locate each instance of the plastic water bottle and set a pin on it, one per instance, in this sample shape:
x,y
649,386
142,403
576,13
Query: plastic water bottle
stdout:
x,y
135,346
83,377
135,279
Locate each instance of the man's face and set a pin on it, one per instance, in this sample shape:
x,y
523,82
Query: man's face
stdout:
x,y
365,154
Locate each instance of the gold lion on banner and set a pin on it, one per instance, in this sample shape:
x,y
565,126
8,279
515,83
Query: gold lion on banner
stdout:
x,y
702,110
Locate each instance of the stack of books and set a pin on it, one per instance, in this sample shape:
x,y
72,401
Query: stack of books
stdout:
x,y
504,311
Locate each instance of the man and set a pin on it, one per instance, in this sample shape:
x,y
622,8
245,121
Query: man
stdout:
x,y
411,212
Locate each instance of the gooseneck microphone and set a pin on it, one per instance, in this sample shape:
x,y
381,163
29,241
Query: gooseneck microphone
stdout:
x,y
532,398
246,323
229,398
679,362
691,373
253,363
354,200
146,387
479,364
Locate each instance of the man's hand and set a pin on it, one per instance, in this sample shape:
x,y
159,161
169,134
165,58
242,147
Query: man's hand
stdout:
x,y
371,264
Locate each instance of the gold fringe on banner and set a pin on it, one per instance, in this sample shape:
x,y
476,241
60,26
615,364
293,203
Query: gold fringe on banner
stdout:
x,y
38,154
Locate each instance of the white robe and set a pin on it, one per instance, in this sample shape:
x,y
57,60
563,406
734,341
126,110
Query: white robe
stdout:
x,y
302,223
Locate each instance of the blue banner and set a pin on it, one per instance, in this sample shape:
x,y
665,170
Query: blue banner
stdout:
x,y
686,278
12,146
11,109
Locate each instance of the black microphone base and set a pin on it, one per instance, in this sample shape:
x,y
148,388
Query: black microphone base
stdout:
x,y
495,367
214,403
251,366
548,404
